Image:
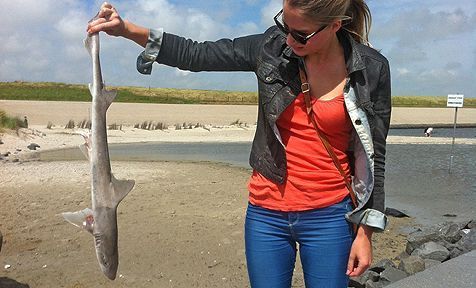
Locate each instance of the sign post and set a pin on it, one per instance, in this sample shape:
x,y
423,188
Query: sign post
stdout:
x,y
455,101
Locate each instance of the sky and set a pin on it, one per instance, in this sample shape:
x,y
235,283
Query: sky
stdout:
x,y
430,44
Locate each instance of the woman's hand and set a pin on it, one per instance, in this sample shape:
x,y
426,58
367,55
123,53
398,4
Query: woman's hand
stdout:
x,y
361,252
108,21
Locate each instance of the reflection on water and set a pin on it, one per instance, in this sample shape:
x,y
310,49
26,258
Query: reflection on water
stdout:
x,y
417,177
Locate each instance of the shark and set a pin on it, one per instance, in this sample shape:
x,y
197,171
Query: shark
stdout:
x,y
106,191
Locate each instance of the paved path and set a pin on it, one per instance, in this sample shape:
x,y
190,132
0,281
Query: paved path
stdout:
x,y
459,272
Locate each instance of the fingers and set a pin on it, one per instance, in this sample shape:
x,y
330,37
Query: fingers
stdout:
x,y
107,20
350,265
103,25
356,267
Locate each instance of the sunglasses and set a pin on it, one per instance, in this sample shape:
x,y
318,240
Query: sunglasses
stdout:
x,y
299,37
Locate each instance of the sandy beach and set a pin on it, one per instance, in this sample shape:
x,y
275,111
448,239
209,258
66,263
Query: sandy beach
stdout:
x,y
181,226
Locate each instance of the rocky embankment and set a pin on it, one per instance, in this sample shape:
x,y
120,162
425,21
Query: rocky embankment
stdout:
x,y
425,248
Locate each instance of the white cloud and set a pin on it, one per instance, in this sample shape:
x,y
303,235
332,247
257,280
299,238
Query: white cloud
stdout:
x,y
429,43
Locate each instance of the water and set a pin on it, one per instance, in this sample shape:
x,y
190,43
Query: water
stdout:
x,y
417,178
437,132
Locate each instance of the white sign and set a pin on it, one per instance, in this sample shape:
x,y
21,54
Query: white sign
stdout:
x,y
455,100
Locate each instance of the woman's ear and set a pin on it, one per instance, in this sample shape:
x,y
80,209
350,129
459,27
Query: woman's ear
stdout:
x,y
336,25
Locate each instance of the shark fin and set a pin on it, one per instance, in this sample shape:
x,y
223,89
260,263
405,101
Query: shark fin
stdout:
x,y
91,88
85,150
121,188
86,147
110,95
82,219
87,45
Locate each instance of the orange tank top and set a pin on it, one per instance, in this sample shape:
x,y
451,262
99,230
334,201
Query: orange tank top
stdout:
x,y
312,180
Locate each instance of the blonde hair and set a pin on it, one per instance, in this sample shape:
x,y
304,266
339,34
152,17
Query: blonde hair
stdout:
x,y
355,15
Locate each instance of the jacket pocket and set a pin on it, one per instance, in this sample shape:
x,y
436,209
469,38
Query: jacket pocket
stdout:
x,y
269,81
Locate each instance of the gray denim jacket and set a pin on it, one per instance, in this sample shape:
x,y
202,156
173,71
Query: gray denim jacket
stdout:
x,y
367,98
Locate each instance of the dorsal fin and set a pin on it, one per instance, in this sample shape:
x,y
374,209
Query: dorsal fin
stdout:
x,y
121,188
110,95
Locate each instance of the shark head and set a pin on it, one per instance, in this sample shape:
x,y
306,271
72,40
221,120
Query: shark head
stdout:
x,y
105,240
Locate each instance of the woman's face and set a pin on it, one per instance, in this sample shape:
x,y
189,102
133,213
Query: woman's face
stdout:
x,y
295,21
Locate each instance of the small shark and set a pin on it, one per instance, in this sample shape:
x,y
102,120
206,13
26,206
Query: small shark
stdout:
x,y
106,191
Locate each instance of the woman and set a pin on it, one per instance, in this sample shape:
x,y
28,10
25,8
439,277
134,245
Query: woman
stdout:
x,y
316,80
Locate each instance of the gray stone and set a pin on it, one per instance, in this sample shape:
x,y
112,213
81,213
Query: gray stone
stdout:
x,y
382,265
412,265
33,146
395,213
471,224
416,239
450,232
430,262
402,256
371,284
468,241
391,275
432,250
455,252
362,279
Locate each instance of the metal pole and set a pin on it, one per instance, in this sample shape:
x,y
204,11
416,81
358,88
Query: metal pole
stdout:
x,y
453,142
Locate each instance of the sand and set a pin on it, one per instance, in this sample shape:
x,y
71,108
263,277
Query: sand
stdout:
x,y
181,226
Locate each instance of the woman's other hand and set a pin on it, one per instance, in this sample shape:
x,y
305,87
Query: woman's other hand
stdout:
x,y
360,256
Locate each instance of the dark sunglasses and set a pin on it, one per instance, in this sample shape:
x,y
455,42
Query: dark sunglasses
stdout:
x,y
278,19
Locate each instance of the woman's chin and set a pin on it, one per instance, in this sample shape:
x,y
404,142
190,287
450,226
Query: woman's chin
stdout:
x,y
299,51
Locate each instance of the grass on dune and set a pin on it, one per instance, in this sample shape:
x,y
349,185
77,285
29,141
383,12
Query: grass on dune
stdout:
x,y
48,91
8,122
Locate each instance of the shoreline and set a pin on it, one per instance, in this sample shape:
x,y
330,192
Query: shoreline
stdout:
x,y
17,142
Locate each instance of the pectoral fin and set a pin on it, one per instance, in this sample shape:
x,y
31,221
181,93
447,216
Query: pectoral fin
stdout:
x,y
82,219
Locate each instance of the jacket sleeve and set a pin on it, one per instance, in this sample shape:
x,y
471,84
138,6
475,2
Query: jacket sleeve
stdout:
x,y
237,54
382,111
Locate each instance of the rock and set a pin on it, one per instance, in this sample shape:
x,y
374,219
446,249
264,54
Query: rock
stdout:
x,y
15,160
412,265
471,224
1,142
402,256
371,284
432,250
33,146
455,252
430,262
450,232
395,213
359,282
391,275
355,284
417,238
382,265
468,241
6,154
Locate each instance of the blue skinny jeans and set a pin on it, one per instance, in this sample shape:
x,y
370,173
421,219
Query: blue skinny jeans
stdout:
x,y
324,236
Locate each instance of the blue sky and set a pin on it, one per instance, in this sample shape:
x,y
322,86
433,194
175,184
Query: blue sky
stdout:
x,y
431,44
